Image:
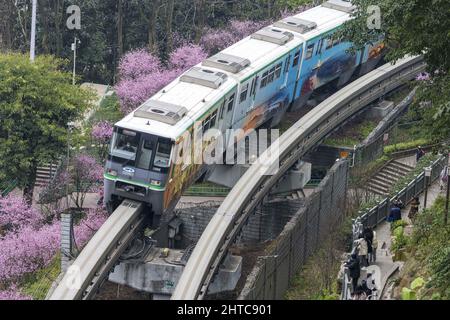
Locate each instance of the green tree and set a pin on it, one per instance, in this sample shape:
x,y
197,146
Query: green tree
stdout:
x,y
37,101
413,27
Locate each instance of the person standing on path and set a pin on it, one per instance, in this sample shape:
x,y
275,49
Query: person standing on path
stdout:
x,y
443,179
419,153
415,204
354,270
362,249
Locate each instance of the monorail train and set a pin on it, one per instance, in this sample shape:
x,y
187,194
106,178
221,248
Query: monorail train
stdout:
x,y
249,84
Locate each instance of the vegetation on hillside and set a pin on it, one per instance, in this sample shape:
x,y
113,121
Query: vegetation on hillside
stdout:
x,y
427,256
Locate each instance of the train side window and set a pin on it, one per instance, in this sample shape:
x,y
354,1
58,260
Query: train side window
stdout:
x,y
287,64
255,84
244,93
309,51
264,79
329,42
320,46
213,119
206,124
336,41
271,75
230,103
278,70
222,110
296,59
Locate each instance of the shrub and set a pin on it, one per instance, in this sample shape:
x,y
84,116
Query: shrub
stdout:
x,y
16,213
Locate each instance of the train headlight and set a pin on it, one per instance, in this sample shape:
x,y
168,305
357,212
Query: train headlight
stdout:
x,y
155,182
112,172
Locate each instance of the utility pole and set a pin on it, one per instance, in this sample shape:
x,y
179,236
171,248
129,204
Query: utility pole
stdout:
x,y
33,31
447,199
74,49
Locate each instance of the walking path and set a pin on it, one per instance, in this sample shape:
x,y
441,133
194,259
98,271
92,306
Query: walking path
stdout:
x,y
384,255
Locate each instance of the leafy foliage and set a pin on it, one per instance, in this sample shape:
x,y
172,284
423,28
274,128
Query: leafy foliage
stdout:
x,y
413,27
37,101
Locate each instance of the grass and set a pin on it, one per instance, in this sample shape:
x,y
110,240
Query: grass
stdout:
x,y
352,135
108,111
405,145
39,283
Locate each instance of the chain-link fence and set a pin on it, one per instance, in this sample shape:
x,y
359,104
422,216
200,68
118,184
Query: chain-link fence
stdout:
x,y
387,131
299,239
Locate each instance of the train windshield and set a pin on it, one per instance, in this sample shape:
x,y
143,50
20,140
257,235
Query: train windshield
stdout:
x,y
142,150
125,144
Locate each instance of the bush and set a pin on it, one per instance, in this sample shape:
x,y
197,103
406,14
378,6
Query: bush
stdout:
x,y
405,146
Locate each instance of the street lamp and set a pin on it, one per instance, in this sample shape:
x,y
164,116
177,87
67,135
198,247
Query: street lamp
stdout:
x,y
70,126
74,49
427,182
33,31
447,199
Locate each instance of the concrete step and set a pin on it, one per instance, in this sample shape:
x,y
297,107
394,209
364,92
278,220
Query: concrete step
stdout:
x,y
400,167
392,173
388,176
404,165
377,191
378,188
382,180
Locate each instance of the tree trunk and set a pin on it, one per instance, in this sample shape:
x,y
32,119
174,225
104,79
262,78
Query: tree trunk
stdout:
x,y
58,24
28,191
120,27
201,8
169,19
152,37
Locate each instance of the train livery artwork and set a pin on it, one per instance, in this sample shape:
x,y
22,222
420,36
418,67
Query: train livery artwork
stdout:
x,y
250,84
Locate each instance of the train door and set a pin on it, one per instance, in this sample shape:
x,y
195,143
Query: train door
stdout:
x,y
228,111
244,103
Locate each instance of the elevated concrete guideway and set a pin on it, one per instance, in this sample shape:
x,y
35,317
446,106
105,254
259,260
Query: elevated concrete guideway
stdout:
x,y
255,184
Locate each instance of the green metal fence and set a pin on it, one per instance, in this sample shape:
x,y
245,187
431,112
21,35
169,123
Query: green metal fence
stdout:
x,y
207,191
7,186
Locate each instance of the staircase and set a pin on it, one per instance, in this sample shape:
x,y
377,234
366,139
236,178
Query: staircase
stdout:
x,y
45,174
383,180
296,196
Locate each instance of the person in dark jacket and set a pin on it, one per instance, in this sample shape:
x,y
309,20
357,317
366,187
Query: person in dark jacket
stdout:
x,y
368,236
415,204
398,203
419,153
355,270
395,214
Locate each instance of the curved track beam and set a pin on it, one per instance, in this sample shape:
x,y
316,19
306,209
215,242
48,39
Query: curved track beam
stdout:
x,y
254,185
100,255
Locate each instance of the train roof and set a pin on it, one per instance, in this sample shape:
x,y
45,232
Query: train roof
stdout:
x,y
175,107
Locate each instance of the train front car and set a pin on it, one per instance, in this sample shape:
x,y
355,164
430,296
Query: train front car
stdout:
x,y
137,168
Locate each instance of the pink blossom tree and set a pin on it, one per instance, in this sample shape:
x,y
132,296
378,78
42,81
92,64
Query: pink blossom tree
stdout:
x,y
215,40
135,87
27,251
186,56
138,63
16,213
30,250
13,293
102,133
85,175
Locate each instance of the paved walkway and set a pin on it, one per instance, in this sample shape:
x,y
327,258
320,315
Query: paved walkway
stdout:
x,y
384,255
